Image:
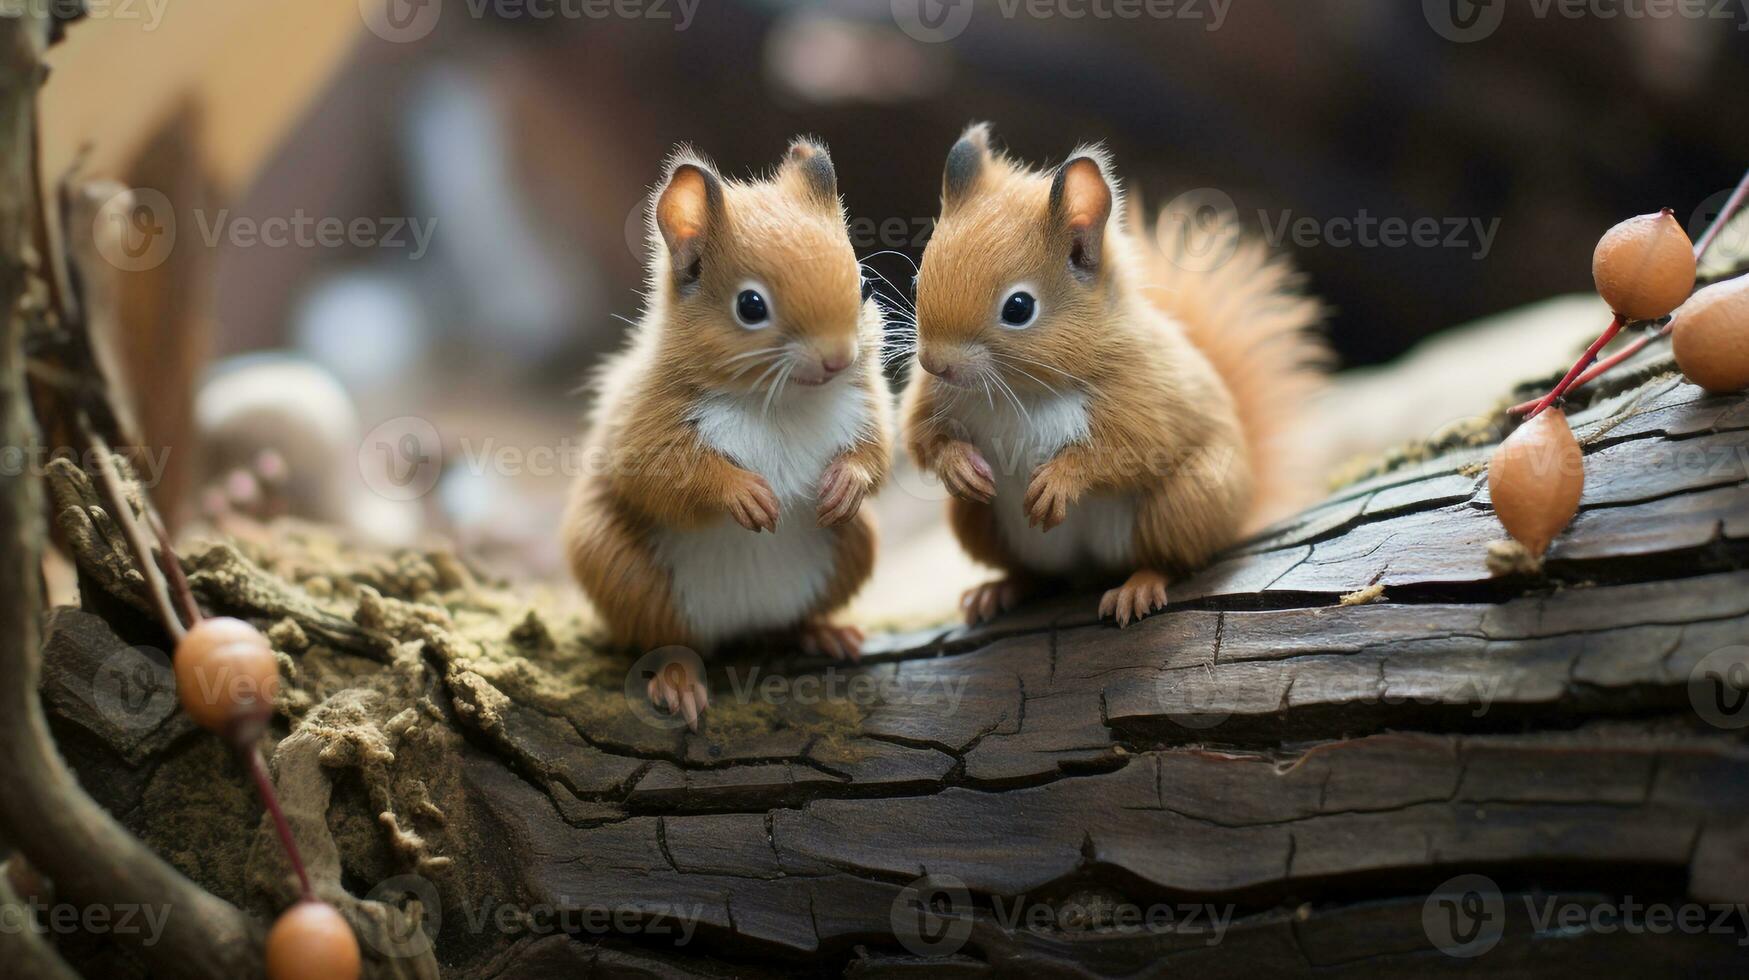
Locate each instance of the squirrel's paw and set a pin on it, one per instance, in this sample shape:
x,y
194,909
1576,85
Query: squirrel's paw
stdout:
x,y
981,603
837,642
842,490
1054,486
1142,594
751,503
966,474
677,688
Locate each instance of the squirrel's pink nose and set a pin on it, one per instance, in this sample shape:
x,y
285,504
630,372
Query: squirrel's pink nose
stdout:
x,y
834,363
943,369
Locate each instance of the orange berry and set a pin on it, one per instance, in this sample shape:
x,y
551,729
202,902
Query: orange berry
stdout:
x,y
1535,479
1710,336
1644,267
225,672
311,941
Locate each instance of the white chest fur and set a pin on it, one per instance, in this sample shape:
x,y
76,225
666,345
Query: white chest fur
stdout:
x,y
729,581
1098,535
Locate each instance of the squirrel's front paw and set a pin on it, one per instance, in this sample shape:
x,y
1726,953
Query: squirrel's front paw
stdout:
x,y
842,490
751,503
1054,486
965,473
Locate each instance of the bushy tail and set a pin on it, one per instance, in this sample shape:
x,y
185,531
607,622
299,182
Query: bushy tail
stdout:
x,y
1246,310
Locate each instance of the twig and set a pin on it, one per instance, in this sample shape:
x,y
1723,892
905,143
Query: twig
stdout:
x,y
179,588
122,510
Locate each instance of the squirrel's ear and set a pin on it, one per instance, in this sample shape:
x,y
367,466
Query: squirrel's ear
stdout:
x,y
688,211
965,162
1081,200
810,165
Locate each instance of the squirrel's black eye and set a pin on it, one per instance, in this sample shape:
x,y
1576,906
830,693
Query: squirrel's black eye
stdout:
x,y
867,289
1019,309
750,308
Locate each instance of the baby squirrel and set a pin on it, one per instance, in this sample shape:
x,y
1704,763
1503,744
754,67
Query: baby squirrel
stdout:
x,y
738,433
1099,405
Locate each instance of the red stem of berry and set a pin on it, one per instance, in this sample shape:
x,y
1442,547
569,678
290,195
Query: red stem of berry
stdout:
x,y
244,738
263,785
167,560
1531,408
1732,203
1602,367
1579,366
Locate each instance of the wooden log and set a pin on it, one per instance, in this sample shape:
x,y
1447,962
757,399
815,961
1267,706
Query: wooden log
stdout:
x,y
1461,769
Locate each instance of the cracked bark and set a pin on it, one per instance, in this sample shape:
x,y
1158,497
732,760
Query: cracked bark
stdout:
x,y
1319,768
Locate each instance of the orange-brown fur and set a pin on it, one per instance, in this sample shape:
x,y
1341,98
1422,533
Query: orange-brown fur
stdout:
x,y
1191,378
649,468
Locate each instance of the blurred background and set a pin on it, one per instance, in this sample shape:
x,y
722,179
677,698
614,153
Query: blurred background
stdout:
x,y
391,237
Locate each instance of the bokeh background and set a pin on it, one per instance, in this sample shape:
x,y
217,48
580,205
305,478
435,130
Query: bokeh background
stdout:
x,y
498,152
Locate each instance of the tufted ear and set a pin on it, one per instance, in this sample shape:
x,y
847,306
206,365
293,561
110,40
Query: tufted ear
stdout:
x,y
966,161
1081,202
809,164
688,212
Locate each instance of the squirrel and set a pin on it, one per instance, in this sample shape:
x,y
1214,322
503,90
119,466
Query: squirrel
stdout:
x,y
1098,405
737,434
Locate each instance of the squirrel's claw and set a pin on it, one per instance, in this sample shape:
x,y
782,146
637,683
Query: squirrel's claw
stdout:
x,y
967,475
1142,595
842,490
753,505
